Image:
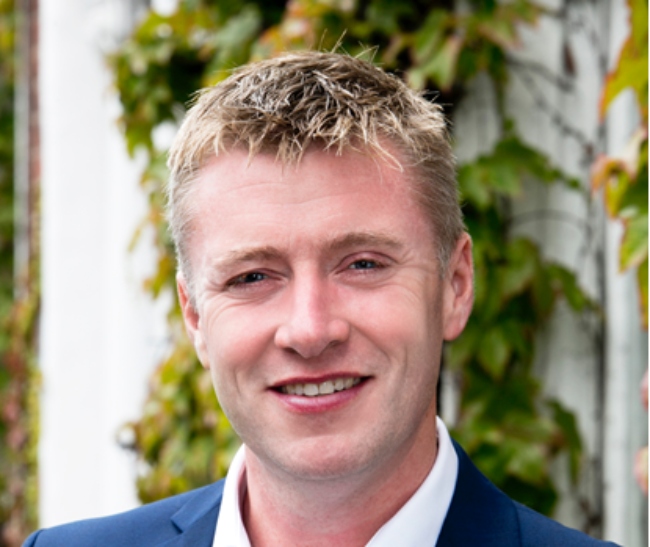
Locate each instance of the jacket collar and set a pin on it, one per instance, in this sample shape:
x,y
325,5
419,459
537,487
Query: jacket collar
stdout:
x,y
479,514
197,519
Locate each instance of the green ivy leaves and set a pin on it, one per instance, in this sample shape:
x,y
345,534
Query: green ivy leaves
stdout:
x,y
501,173
183,434
508,427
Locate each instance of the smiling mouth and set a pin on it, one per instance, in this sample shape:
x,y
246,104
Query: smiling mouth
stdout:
x,y
323,388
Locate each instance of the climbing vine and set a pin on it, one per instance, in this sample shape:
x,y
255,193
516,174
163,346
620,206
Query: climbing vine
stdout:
x,y
18,313
509,427
624,179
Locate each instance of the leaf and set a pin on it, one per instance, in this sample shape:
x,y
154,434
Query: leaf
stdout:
x,y
624,178
521,267
567,423
499,31
231,43
634,245
631,70
565,282
416,78
441,67
543,295
429,36
472,187
460,351
494,352
384,15
523,159
505,178
602,170
528,463
642,281
491,301
615,191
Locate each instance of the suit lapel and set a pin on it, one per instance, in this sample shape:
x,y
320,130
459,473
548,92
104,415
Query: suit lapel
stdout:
x,y
479,514
197,519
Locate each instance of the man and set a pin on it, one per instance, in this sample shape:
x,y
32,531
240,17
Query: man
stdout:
x,y
322,263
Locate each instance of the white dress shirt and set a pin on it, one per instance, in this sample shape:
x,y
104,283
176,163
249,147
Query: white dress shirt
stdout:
x,y
417,523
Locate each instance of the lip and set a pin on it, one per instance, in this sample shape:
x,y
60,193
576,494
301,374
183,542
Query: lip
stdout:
x,y
322,403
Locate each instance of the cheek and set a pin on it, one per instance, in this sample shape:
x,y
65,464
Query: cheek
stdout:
x,y
398,314
236,340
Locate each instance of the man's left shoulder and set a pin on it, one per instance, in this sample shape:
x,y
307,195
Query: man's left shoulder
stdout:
x,y
540,531
481,514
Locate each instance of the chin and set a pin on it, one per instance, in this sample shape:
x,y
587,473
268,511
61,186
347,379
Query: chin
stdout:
x,y
326,460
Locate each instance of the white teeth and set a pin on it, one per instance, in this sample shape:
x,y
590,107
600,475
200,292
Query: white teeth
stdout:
x,y
324,388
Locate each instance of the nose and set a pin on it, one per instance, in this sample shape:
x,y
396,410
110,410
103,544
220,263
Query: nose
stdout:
x,y
311,324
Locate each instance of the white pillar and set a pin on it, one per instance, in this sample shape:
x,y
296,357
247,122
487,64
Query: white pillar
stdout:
x,y
626,422
100,335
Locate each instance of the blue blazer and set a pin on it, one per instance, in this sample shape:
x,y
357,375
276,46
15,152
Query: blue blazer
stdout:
x,y
480,515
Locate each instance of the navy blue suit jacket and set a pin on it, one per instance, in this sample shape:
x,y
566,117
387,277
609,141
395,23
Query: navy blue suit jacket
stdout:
x,y
480,515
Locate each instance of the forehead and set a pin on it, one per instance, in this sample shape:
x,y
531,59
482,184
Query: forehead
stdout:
x,y
238,200
235,167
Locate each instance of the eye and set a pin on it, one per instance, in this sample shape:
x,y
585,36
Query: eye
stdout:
x,y
247,278
364,264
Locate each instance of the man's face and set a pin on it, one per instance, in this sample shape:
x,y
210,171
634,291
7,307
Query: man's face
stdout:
x,y
320,309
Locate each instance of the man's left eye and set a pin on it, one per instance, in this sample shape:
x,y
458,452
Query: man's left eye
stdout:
x,y
364,265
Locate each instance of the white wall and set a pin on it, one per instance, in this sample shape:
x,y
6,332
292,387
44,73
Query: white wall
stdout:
x,y
100,334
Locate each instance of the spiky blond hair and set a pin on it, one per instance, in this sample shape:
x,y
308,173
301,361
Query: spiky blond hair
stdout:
x,y
335,101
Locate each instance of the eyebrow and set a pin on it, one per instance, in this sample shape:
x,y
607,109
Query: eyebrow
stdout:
x,y
360,239
239,256
341,243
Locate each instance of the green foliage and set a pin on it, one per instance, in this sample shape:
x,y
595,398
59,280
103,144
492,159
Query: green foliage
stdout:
x,y
624,180
6,159
18,399
19,420
180,426
510,429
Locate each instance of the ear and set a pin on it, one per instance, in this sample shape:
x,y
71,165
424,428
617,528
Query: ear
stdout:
x,y
191,319
459,288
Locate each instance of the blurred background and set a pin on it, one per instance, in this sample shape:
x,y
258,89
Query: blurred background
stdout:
x,y
103,405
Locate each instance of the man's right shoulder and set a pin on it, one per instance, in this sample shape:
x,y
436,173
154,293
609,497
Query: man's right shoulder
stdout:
x,y
148,525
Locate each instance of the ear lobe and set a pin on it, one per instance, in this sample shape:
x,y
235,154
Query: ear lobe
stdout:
x,y
459,289
191,319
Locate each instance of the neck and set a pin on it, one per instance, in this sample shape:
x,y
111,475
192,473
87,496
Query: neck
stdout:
x,y
279,509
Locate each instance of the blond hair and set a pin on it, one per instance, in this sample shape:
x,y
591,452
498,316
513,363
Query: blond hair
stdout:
x,y
335,101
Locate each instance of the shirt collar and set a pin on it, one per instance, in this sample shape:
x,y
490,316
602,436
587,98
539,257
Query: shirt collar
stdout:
x,y
420,519
230,531
417,523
